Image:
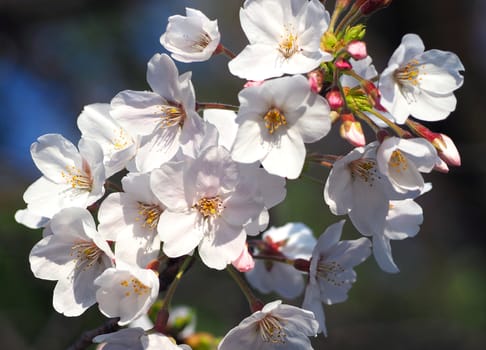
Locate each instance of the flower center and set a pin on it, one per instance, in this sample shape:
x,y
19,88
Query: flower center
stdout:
x,y
271,330
398,161
274,119
288,46
365,169
86,253
202,41
210,207
134,286
121,140
328,270
172,114
150,214
408,79
79,178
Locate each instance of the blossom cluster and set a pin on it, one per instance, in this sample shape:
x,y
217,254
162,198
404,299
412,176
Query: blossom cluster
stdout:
x,y
198,179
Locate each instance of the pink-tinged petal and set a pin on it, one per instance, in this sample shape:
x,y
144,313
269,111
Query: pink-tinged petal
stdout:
x,y
382,253
447,150
287,156
244,262
158,148
180,232
167,185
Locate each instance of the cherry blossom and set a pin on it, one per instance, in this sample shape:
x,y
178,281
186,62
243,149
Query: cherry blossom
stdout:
x,y
126,291
70,178
208,206
276,326
74,253
274,124
420,83
284,38
292,241
331,271
165,118
191,38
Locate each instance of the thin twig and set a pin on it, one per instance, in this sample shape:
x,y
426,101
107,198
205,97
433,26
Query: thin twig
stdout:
x,y
86,339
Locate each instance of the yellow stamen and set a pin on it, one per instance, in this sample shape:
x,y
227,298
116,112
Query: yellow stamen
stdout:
x,y
274,119
210,207
271,330
398,161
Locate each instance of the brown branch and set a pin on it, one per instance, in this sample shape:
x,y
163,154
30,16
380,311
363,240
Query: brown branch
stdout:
x,y
86,339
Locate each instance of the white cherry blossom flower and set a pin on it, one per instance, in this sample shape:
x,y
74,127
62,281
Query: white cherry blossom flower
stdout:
x,y
131,218
74,254
403,221
191,38
420,83
118,145
137,339
331,271
356,187
165,118
275,120
208,205
292,241
284,38
402,161
126,291
69,178
276,326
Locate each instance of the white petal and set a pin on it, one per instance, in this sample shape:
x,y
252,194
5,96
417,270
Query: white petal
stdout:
x,y
382,253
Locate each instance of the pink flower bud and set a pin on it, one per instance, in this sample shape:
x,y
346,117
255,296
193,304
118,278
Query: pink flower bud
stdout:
x,y
441,167
352,132
335,99
447,150
315,79
343,64
371,6
357,49
251,83
244,262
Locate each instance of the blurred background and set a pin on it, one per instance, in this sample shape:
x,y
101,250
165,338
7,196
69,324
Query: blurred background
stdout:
x,y
57,56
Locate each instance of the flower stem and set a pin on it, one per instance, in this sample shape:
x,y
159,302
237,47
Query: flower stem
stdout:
x,y
367,120
215,105
224,50
173,286
276,258
253,302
